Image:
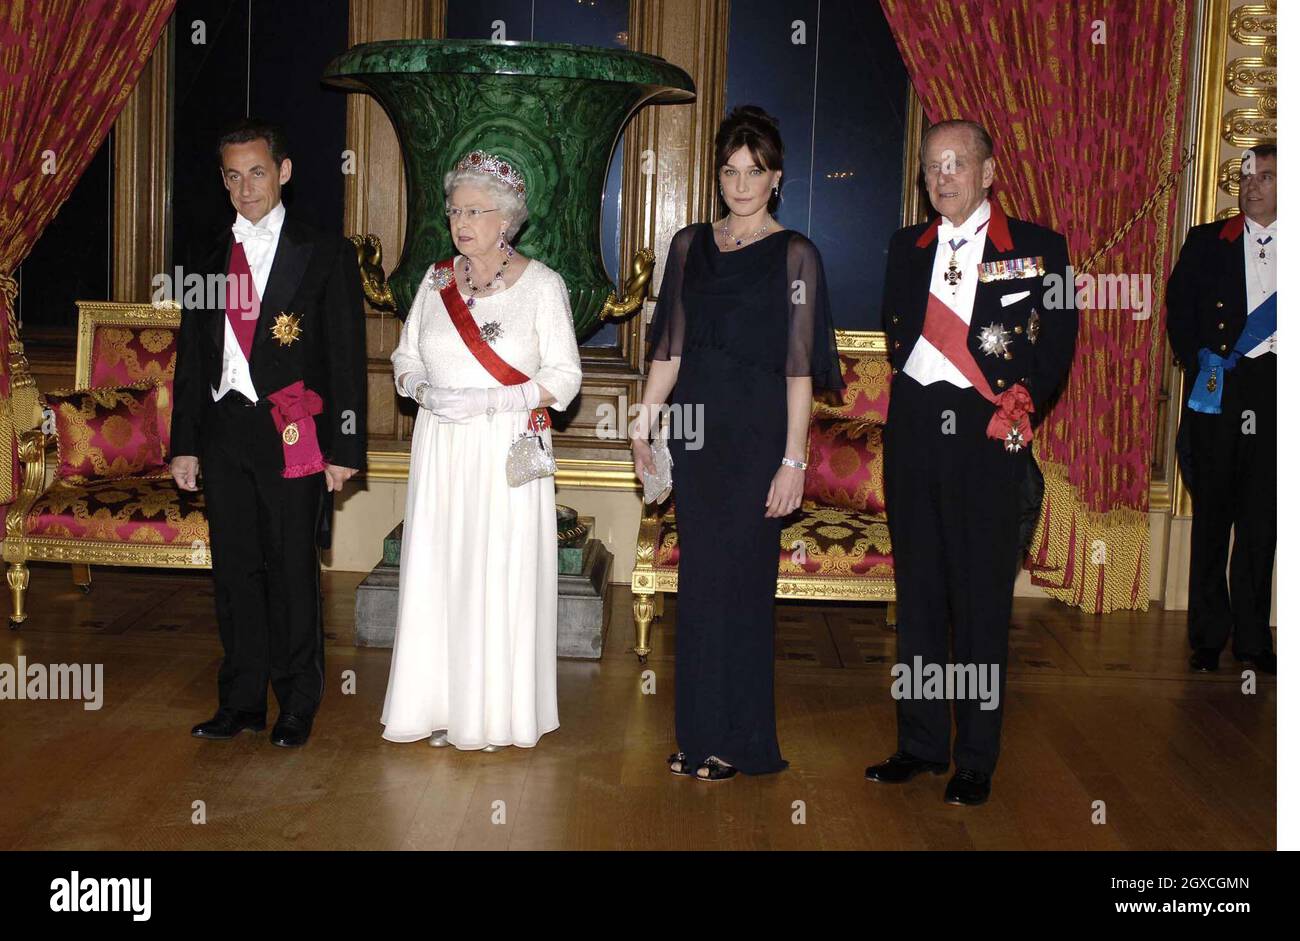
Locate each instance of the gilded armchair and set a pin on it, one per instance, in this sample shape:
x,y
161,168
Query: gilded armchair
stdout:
x,y
106,517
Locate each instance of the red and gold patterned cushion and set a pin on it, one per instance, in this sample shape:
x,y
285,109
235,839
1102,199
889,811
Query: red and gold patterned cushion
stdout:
x,y
866,389
819,540
107,433
130,510
845,465
122,356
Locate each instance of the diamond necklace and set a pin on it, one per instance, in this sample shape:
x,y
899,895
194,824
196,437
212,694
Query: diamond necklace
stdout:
x,y
726,231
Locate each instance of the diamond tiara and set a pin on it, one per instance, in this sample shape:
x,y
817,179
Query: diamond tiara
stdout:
x,y
490,163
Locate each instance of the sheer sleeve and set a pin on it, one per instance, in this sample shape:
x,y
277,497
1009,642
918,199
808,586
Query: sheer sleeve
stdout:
x,y
669,324
406,358
811,347
560,372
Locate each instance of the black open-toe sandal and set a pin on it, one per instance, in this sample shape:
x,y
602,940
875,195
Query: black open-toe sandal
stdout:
x,y
679,759
717,770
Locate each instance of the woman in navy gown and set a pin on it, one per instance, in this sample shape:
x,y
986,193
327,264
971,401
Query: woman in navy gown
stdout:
x,y
741,335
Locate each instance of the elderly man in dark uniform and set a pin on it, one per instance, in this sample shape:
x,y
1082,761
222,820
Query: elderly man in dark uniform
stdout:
x,y
1223,328
270,404
981,331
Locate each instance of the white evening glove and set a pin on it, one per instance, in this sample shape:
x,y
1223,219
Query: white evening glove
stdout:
x,y
408,383
460,405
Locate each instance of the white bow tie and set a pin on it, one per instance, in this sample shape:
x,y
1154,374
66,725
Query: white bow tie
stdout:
x,y
965,232
246,230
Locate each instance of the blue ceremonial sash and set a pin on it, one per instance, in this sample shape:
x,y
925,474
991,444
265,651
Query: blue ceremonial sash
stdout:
x,y
1207,392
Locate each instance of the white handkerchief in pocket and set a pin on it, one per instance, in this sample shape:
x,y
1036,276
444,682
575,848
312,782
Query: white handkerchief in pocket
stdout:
x,y
1009,299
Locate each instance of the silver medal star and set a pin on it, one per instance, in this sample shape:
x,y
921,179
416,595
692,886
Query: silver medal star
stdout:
x,y
491,331
994,339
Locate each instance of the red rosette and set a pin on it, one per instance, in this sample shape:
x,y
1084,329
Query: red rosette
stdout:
x,y
1010,423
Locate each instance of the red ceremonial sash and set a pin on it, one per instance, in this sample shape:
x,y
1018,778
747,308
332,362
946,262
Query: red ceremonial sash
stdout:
x,y
292,409
947,333
243,320
499,369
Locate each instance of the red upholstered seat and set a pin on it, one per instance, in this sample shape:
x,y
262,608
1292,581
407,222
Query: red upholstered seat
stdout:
x,y
817,541
131,510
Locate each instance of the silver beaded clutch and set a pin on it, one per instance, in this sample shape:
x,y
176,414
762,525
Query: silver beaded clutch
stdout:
x,y
528,459
659,483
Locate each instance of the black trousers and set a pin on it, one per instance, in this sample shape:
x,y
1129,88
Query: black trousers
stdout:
x,y
952,497
265,562
1234,491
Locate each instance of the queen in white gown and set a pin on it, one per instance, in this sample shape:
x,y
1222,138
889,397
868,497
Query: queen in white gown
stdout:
x,y
474,659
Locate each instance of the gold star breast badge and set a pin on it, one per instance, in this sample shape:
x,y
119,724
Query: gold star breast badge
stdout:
x,y
286,329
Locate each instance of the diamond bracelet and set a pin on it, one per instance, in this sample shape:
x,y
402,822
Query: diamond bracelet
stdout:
x,y
791,462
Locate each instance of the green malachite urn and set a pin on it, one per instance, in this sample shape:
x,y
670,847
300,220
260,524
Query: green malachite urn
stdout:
x,y
552,110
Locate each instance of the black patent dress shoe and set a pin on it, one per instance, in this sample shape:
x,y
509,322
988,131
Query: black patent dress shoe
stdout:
x,y
968,788
291,730
228,723
901,766
1204,660
1263,662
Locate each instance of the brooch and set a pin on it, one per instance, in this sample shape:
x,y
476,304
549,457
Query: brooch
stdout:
x,y
994,339
286,329
491,331
1033,325
441,277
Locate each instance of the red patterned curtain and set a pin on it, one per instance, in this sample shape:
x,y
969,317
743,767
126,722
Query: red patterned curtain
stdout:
x,y
1082,101
66,69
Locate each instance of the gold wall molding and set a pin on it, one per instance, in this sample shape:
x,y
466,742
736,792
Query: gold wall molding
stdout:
x,y
915,201
1254,76
1254,24
674,141
374,199
1250,77
142,157
678,139
1230,177
1245,127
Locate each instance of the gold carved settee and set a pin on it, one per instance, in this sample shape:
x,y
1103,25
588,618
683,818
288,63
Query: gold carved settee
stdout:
x,y
836,547
87,503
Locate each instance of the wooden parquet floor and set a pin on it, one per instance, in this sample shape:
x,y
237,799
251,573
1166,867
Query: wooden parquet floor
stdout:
x,y
1098,709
